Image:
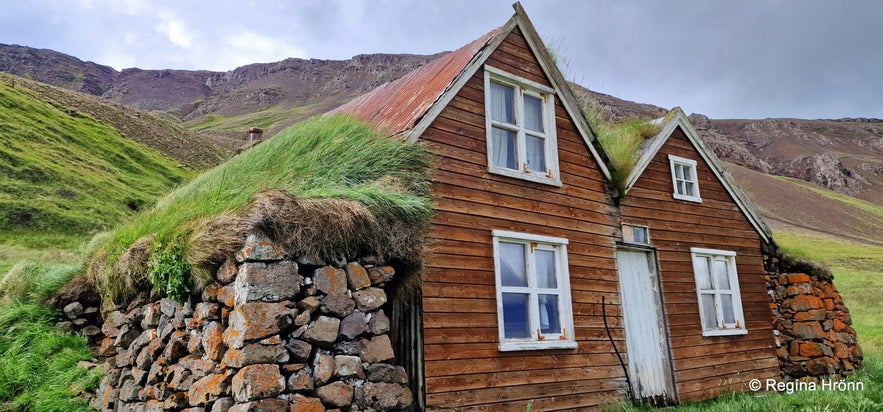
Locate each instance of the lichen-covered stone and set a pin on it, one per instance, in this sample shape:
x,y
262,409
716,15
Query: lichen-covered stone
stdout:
x,y
300,403
227,272
254,354
323,367
223,404
384,396
177,346
267,282
208,388
376,349
213,340
356,276
256,320
330,280
73,310
379,323
256,382
259,247
298,349
339,305
368,300
346,366
336,394
309,304
323,331
384,372
263,405
353,325
301,381
381,274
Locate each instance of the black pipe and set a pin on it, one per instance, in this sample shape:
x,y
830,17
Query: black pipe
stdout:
x,y
625,370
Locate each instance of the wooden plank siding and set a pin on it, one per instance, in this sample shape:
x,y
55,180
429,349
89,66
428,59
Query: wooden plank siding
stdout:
x,y
464,368
703,366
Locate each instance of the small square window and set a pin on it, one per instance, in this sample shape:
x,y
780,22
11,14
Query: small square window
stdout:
x,y
521,128
639,235
533,292
717,287
685,182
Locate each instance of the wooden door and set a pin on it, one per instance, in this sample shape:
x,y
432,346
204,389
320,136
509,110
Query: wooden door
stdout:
x,y
645,331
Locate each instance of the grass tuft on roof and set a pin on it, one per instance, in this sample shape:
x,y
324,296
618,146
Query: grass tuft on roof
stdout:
x,y
620,140
328,188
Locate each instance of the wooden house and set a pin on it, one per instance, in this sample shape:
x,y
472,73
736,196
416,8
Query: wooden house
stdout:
x,y
520,292
694,298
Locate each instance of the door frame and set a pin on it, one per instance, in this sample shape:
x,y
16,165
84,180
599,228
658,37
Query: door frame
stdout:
x,y
668,358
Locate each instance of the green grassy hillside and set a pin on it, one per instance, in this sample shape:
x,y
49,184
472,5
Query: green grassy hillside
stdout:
x,y
65,175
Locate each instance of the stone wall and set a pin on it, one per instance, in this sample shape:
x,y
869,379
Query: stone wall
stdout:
x,y
270,335
813,329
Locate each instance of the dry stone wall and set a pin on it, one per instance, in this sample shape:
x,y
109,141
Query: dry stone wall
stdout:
x,y
266,337
813,328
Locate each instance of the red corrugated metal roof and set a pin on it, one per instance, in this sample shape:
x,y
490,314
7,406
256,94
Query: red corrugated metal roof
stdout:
x,y
397,106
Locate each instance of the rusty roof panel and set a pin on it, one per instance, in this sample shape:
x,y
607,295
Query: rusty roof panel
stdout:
x,y
397,106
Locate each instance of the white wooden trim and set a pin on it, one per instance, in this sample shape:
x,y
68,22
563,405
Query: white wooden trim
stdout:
x,y
515,80
505,234
673,161
565,306
521,86
702,251
734,291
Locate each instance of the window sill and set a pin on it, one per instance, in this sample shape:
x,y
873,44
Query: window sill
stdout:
x,y
533,177
693,199
724,332
537,345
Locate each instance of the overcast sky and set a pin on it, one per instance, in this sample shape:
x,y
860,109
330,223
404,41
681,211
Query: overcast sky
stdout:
x,y
726,59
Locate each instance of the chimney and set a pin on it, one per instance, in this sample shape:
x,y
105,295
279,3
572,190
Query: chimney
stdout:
x,y
255,134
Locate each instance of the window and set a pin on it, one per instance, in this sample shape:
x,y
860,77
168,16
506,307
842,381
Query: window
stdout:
x,y
683,175
521,128
533,292
636,234
717,286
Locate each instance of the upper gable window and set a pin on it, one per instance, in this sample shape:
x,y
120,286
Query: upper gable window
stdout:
x,y
684,179
521,138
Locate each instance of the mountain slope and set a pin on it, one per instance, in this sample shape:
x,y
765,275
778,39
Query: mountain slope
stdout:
x,y
58,69
66,174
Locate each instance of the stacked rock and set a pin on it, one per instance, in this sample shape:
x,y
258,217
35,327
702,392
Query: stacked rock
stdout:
x,y
813,329
265,337
81,319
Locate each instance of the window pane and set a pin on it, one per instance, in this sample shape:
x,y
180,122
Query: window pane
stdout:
x,y
549,318
545,261
679,171
533,113
688,188
536,153
640,234
708,311
503,146
680,184
515,317
721,277
502,107
688,172
512,264
727,307
703,277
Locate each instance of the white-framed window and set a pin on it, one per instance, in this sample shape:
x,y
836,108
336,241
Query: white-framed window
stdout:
x,y
684,179
639,235
533,292
520,122
717,287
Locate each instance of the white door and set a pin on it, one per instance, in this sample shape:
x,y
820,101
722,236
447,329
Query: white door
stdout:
x,y
646,342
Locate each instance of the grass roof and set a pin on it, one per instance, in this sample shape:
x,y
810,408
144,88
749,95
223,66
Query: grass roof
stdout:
x,y
326,188
621,141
